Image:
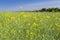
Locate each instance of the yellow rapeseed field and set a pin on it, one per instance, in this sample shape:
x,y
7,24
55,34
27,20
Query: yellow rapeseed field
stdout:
x,y
29,26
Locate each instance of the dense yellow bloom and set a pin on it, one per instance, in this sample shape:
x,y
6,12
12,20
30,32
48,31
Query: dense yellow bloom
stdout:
x,y
34,24
18,18
35,18
56,24
47,17
16,21
31,33
12,18
24,16
29,26
7,14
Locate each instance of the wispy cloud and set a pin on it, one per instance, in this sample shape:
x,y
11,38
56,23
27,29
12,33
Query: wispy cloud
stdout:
x,y
32,5
39,5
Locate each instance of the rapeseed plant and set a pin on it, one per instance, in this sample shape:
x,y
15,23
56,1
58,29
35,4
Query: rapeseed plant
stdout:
x,y
29,26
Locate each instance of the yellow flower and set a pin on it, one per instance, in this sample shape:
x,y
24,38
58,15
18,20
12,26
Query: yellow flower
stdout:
x,y
16,21
29,24
31,33
24,16
7,14
35,18
57,24
18,18
34,24
41,19
12,18
47,17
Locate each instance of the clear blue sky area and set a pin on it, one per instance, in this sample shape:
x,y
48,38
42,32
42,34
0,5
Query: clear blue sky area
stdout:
x,y
17,5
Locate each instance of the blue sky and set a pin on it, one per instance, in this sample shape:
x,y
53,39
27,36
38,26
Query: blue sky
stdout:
x,y
18,5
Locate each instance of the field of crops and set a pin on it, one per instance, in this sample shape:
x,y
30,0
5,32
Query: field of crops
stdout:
x,y
29,26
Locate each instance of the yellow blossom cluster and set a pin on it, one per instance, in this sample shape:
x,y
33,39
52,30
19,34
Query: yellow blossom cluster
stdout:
x,y
29,26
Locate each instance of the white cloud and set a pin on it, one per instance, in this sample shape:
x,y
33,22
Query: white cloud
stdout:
x,y
39,5
33,6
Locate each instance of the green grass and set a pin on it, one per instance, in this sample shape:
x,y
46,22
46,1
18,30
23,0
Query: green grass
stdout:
x,y
29,26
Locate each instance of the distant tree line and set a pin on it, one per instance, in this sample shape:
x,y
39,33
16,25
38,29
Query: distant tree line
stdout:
x,y
48,10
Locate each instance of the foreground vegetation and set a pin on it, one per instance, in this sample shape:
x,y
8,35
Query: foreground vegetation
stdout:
x,y
29,26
